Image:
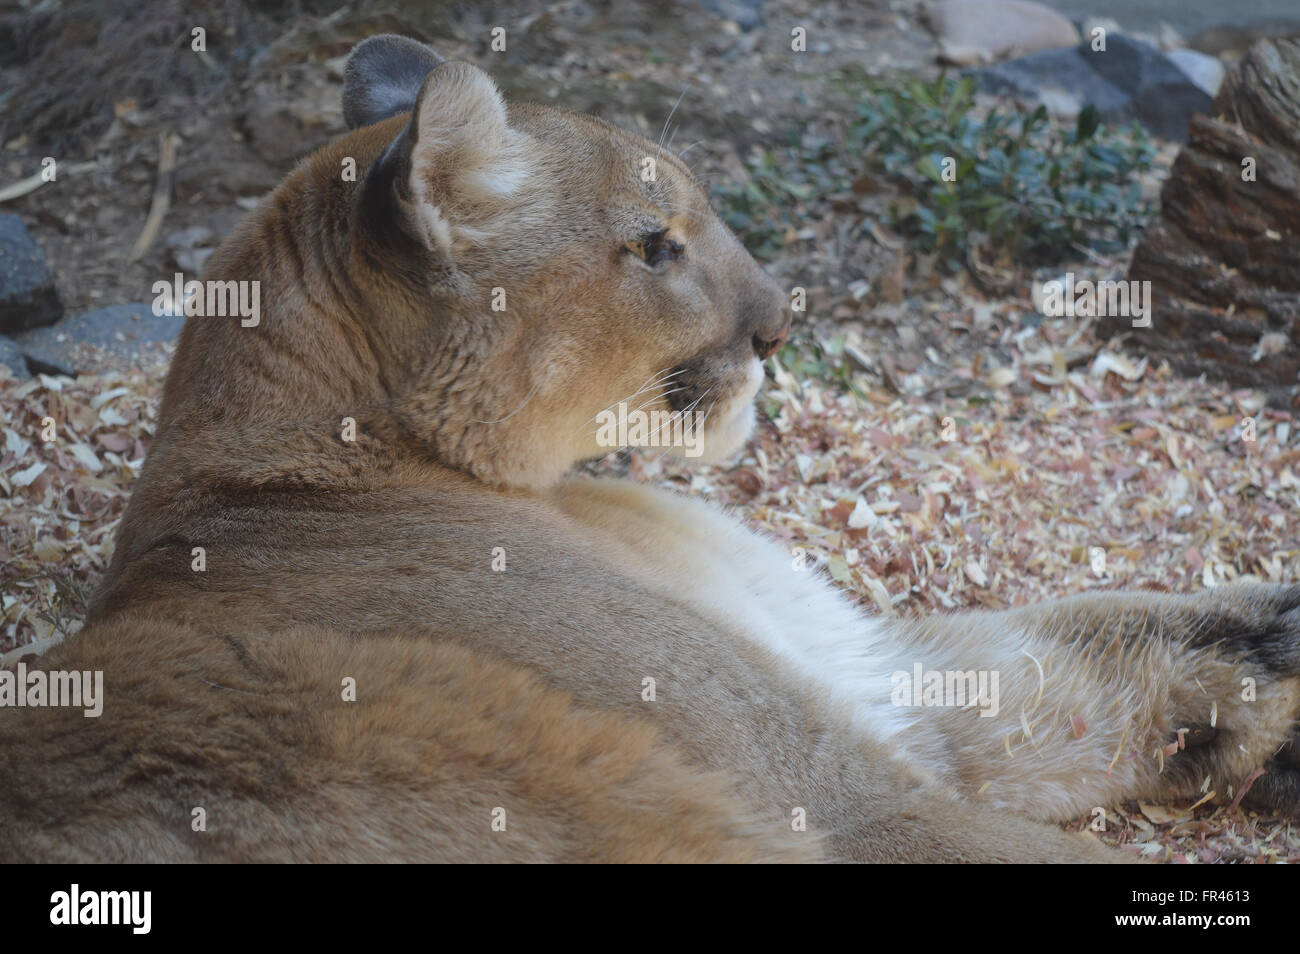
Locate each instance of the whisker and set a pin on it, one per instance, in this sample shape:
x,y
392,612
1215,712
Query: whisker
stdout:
x,y
658,397
663,131
696,403
657,376
664,382
645,387
681,415
658,385
707,413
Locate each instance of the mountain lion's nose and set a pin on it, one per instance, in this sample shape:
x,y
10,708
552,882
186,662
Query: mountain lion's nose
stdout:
x,y
766,347
769,316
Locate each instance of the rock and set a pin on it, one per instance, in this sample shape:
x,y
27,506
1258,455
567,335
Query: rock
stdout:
x,y
1170,39
748,14
1059,103
115,335
972,32
192,260
11,356
42,366
1205,71
1127,80
194,236
190,250
1223,258
28,296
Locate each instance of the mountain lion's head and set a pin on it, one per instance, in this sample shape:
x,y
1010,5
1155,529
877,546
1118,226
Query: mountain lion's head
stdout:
x,y
498,276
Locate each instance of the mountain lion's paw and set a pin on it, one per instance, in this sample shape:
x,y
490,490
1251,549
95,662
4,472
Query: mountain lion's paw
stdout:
x,y
1238,716
1278,789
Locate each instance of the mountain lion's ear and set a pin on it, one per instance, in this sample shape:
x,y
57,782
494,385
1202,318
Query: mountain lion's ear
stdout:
x,y
462,147
455,171
383,77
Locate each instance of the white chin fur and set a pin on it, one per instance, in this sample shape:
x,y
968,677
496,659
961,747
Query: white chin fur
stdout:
x,y
721,443
735,420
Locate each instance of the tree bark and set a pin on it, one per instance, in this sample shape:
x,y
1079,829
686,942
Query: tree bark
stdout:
x,y
1223,258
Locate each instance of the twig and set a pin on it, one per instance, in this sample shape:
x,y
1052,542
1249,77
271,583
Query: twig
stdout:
x,y
162,195
36,180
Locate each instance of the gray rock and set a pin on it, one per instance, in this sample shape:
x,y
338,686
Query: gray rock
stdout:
x,y
1060,104
1203,70
12,357
189,249
193,237
36,365
1056,75
192,260
1190,16
1128,80
1170,39
971,32
747,13
28,297
80,344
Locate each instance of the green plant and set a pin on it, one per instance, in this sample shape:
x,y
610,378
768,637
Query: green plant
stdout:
x,y
769,204
1032,188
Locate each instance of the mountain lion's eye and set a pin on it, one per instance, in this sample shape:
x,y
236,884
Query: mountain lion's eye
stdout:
x,y
655,248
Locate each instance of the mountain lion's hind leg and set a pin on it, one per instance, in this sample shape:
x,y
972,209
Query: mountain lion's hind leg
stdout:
x,y
1104,698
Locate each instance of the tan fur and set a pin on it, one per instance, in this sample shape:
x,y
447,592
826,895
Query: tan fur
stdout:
x,y
525,689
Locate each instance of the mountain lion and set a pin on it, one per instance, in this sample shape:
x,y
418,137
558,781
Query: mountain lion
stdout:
x,y
360,611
